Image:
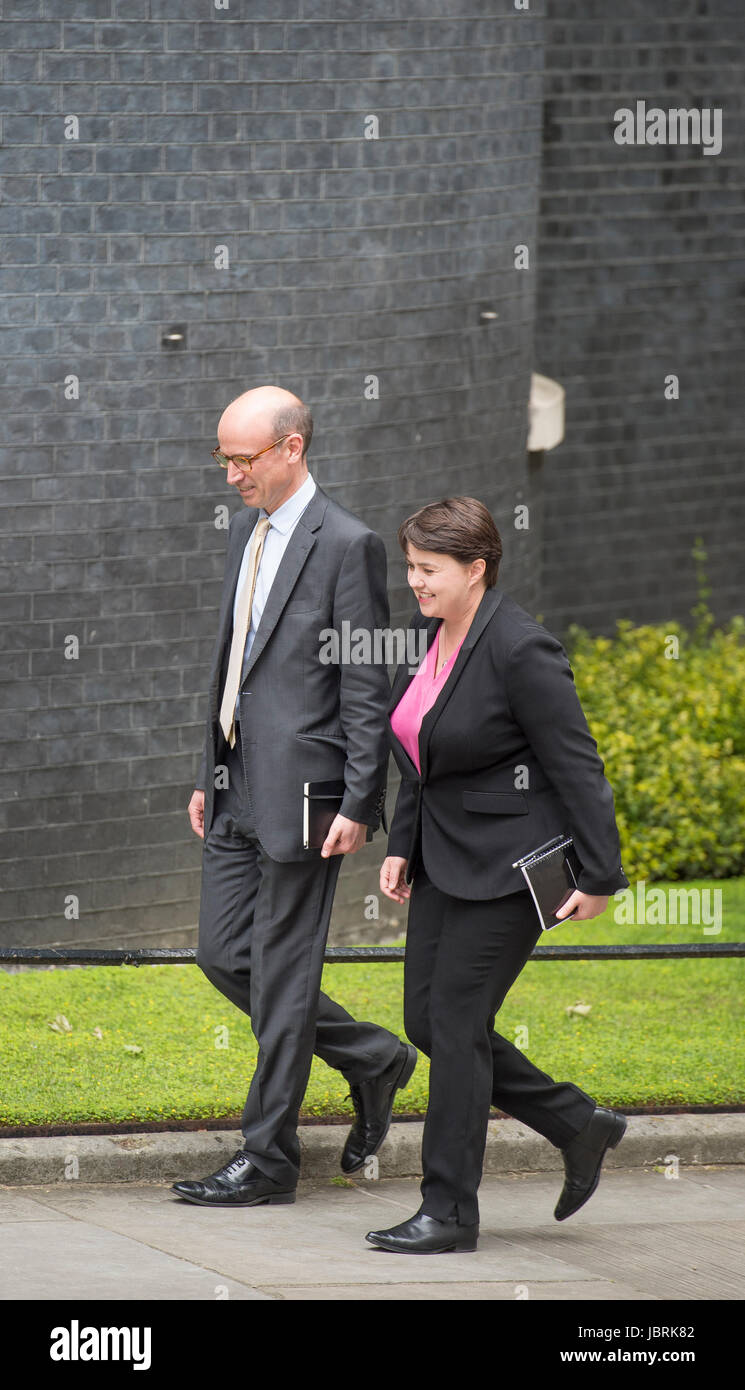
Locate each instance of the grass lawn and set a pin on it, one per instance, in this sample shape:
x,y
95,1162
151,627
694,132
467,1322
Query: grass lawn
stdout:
x,y
171,1047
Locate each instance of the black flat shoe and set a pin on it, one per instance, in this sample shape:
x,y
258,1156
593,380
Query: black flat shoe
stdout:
x,y
238,1184
583,1159
423,1235
373,1104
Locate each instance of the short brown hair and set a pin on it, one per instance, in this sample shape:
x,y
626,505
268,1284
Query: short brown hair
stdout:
x,y
458,526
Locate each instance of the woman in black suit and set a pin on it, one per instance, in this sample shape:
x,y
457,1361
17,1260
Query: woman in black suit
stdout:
x,y
496,758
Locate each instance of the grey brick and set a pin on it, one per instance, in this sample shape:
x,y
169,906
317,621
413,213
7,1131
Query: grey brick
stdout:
x,y
131,9
76,67
75,220
179,67
39,34
179,96
188,9
74,188
17,666
139,99
135,159
181,38
31,97
131,67
77,35
130,36
27,159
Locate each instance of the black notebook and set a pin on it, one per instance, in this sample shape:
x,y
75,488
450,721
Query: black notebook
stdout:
x,y
551,872
321,804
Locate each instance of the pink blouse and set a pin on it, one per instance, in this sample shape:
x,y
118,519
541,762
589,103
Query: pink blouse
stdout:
x,y
419,697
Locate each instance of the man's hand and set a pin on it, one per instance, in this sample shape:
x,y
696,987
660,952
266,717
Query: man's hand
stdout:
x,y
196,813
582,906
392,882
345,837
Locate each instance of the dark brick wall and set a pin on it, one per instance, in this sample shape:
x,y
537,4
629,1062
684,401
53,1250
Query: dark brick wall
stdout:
x,y
348,257
641,274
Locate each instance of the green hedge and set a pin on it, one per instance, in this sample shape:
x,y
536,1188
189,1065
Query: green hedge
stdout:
x,y
667,708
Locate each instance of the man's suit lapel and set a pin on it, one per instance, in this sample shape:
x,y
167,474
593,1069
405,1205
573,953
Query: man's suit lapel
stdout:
x,y
298,548
403,678
244,524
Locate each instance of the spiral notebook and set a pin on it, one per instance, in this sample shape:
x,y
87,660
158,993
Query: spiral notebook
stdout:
x,y
551,872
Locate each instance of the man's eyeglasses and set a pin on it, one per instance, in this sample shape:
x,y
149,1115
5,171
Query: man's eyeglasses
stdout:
x,y
244,461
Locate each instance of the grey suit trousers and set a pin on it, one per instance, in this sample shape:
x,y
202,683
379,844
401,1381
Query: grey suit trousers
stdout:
x,y
262,935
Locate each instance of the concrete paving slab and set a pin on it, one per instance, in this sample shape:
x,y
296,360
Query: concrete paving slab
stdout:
x,y
76,1259
640,1237
22,1206
684,1260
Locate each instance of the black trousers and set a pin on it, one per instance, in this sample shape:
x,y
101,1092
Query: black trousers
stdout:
x,y
461,959
262,935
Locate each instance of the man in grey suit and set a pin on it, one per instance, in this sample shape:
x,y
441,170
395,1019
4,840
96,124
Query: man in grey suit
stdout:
x,y
297,563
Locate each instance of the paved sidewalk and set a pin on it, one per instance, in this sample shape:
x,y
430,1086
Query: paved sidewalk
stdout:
x,y
642,1236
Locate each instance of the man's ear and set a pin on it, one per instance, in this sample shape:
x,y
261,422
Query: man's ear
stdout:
x,y
296,449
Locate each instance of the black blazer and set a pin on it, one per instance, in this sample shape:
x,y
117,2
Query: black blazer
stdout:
x,y
507,761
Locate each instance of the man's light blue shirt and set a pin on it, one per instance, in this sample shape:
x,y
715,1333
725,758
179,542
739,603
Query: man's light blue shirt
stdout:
x,y
283,523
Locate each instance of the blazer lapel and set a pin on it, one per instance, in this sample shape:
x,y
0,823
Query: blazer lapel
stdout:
x,y
404,675
402,680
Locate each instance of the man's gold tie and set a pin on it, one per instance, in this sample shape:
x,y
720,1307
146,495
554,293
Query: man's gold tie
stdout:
x,y
240,632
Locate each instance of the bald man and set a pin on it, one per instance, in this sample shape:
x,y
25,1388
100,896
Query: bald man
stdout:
x,y
279,716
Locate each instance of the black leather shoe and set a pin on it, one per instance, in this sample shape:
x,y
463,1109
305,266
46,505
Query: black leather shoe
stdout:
x,y
238,1184
583,1159
423,1235
373,1104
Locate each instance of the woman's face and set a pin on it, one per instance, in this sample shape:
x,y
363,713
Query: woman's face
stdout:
x,y
444,586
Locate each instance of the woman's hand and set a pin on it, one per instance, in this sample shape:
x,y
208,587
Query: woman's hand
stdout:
x,y
392,882
582,906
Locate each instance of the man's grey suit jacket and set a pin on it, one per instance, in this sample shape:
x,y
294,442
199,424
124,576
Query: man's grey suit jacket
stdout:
x,y
303,719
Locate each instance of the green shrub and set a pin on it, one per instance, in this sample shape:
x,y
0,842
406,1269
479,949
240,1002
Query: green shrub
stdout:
x,y
667,708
